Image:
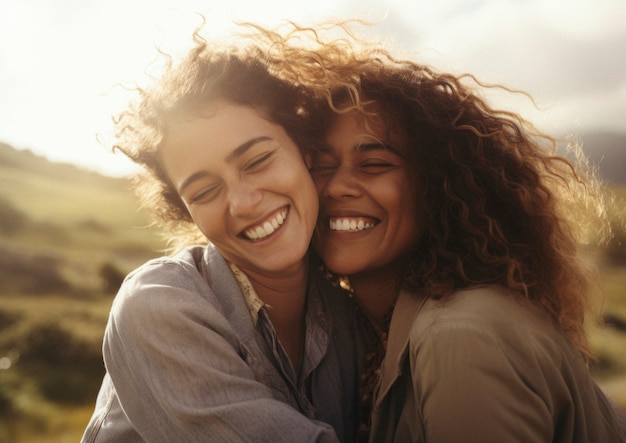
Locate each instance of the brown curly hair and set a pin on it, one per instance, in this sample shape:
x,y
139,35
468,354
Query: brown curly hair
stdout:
x,y
501,206
241,72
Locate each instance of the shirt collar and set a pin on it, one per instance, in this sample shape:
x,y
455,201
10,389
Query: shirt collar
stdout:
x,y
254,303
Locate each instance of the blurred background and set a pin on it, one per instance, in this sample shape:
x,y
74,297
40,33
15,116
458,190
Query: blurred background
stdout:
x,y
70,228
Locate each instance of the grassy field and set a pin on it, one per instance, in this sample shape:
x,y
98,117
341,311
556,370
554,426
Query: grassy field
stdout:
x,y
67,237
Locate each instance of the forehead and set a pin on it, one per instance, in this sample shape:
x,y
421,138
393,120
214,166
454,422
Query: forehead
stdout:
x,y
358,131
208,139
215,129
218,117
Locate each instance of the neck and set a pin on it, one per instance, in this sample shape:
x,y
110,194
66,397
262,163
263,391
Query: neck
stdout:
x,y
376,292
286,295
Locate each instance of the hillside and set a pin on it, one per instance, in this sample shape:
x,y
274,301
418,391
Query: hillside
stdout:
x,y
67,239
30,163
61,225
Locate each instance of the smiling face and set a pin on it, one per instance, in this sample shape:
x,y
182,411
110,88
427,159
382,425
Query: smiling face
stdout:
x,y
246,186
369,216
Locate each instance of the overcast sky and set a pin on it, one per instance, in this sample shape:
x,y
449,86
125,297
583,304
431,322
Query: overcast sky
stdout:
x,y
60,60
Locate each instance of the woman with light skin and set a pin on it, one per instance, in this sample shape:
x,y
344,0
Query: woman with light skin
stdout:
x,y
239,340
458,229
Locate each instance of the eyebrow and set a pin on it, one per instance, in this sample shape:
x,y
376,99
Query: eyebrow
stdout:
x,y
236,153
241,149
367,147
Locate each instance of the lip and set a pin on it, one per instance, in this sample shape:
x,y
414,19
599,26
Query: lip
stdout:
x,y
267,227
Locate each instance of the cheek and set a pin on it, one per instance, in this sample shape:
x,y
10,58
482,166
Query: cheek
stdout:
x,y
393,194
399,198
310,198
296,182
207,221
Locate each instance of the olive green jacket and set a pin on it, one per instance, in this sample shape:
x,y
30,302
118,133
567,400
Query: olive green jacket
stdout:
x,y
485,367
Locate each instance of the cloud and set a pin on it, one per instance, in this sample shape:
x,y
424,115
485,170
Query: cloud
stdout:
x,y
564,53
59,61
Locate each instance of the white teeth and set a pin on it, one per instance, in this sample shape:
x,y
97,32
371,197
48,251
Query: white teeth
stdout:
x,y
267,228
352,224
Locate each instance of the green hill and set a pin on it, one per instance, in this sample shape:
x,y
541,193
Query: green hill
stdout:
x,y
67,224
67,239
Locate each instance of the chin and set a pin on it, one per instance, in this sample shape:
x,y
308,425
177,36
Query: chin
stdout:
x,y
342,267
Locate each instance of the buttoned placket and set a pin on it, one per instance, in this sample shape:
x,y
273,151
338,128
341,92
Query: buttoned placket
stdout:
x,y
295,381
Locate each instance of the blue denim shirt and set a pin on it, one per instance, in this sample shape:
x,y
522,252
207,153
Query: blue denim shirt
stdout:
x,y
186,363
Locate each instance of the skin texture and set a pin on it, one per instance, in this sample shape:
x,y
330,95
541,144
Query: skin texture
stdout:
x,y
236,172
363,178
248,189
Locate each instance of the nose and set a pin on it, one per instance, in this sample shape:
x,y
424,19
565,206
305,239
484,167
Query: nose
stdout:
x,y
341,183
243,199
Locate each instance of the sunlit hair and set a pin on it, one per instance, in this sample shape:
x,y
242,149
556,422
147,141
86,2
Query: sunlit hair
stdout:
x,y
501,205
239,71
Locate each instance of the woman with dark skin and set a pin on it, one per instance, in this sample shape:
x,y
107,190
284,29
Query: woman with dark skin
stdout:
x,y
458,230
448,218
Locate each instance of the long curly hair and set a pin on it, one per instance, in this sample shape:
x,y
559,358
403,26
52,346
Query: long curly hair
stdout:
x,y
503,204
239,71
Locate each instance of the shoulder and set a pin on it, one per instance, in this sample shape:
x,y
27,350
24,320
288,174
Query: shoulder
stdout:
x,y
494,319
173,282
185,261
167,272
172,299
484,334
485,306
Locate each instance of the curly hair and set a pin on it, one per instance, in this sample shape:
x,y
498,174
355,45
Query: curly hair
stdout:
x,y
239,72
502,205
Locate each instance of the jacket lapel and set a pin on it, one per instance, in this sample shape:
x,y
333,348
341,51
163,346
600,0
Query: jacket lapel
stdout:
x,y
407,307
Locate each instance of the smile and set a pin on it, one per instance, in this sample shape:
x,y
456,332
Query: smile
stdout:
x,y
351,224
268,227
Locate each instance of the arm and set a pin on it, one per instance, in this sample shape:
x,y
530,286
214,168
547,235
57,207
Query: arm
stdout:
x,y
176,364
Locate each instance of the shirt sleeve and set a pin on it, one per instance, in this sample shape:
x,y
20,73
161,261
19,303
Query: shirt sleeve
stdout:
x,y
179,375
469,387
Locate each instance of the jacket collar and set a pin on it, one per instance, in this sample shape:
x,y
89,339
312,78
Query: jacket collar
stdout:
x,y
407,307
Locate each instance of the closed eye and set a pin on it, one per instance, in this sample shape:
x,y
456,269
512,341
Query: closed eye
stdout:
x,y
258,162
376,167
205,195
